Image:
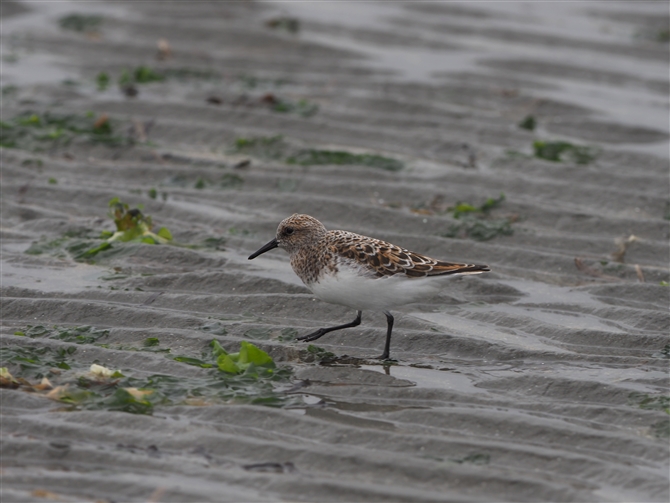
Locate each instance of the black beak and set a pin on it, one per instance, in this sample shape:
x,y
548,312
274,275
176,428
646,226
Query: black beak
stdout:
x,y
272,244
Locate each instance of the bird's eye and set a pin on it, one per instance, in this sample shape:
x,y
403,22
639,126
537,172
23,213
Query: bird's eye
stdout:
x,y
288,231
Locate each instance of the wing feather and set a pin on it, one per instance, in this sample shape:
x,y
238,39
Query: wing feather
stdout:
x,y
382,259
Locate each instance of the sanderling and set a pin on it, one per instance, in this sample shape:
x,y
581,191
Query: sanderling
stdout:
x,y
363,273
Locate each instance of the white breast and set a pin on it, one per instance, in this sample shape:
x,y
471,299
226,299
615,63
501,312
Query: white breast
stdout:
x,y
350,288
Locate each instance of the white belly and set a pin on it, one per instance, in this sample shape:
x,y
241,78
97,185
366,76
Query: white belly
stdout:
x,y
349,288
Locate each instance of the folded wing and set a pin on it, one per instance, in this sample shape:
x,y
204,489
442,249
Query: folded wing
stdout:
x,y
385,259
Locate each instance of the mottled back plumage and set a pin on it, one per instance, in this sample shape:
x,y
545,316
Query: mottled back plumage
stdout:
x,y
386,259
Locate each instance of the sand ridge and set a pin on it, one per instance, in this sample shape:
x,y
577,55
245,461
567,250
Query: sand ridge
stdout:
x,y
543,381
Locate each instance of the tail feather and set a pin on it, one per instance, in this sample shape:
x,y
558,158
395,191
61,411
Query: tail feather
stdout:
x,y
447,269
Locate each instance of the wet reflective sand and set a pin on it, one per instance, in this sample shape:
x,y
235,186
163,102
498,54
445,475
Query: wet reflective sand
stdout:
x,y
545,380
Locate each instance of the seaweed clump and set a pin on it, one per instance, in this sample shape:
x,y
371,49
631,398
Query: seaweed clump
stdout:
x,y
563,151
476,222
34,131
276,148
249,376
132,226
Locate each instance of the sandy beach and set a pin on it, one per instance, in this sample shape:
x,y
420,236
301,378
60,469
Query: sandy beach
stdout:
x,y
532,137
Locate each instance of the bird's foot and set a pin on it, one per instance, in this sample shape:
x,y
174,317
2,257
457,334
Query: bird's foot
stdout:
x,y
313,336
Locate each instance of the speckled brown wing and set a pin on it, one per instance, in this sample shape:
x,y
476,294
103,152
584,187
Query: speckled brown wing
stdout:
x,y
385,259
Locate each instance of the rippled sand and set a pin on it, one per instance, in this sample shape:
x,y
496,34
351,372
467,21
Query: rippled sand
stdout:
x,y
545,380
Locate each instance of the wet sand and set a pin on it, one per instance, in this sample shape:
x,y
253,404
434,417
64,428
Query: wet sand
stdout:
x,y
545,380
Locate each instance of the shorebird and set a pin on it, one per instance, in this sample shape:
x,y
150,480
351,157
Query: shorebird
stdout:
x,y
359,272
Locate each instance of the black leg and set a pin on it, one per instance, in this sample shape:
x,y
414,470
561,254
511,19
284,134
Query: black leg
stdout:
x,y
387,347
323,331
